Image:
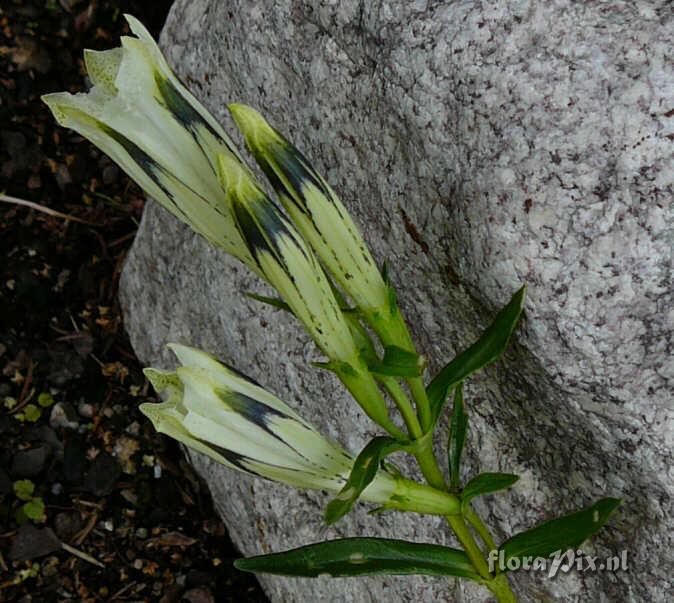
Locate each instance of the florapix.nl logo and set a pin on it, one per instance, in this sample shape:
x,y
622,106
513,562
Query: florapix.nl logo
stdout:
x,y
559,561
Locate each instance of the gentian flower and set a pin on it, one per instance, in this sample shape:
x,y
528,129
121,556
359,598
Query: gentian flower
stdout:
x,y
140,114
217,411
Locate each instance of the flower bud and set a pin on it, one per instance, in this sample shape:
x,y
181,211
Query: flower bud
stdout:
x,y
316,211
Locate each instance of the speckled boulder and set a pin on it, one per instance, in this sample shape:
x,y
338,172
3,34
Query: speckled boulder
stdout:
x,y
479,146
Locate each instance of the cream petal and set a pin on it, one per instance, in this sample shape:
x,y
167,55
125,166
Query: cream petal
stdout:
x,y
315,209
168,422
102,67
213,128
229,378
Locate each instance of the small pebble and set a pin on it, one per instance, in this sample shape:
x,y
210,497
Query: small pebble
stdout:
x,y
56,488
157,471
86,410
141,533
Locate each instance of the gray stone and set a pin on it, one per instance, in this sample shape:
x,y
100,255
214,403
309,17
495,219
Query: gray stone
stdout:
x,y
479,146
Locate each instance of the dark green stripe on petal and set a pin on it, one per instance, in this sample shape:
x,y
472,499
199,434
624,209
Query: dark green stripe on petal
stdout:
x,y
263,227
236,459
256,412
183,110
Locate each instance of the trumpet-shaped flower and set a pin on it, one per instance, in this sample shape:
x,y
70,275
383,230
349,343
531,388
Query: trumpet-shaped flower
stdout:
x,y
316,210
215,410
140,114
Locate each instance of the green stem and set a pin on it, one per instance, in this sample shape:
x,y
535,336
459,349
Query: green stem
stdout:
x,y
466,539
404,406
423,405
392,330
420,498
428,463
480,527
500,587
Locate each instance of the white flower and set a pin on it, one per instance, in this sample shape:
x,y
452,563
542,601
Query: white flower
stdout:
x,y
140,114
215,410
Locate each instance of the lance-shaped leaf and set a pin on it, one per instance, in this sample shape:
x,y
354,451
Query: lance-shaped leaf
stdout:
x,y
316,211
567,532
398,362
486,483
215,410
458,427
363,557
147,122
364,470
491,344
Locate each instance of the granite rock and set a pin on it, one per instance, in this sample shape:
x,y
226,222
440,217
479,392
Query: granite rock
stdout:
x,y
479,146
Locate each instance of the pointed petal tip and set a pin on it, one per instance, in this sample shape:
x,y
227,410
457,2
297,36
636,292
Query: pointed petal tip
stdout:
x,y
242,111
230,171
248,120
149,410
190,356
58,102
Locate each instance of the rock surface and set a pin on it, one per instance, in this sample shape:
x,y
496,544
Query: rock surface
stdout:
x,y
479,146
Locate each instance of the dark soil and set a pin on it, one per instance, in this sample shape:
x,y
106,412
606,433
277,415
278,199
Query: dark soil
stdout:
x,y
137,524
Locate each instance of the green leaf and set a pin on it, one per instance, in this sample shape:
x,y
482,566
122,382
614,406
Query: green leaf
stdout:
x,y
457,437
561,534
34,509
398,362
484,351
45,400
363,557
485,483
24,489
364,470
31,413
336,366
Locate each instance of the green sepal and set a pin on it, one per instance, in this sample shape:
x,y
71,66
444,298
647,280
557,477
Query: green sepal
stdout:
x,y
486,483
398,362
458,427
275,302
335,366
364,470
561,534
278,303
491,344
363,557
